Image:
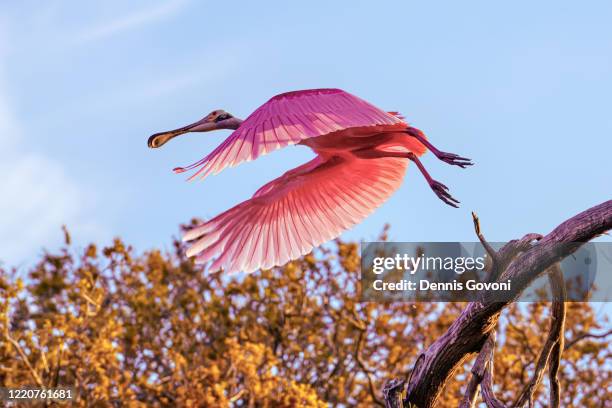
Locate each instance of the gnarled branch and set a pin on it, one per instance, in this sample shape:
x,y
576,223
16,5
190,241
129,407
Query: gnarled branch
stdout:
x,y
392,392
551,351
490,251
525,262
585,336
487,381
478,372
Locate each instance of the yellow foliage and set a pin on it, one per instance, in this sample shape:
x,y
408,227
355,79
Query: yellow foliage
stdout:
x,y
153,329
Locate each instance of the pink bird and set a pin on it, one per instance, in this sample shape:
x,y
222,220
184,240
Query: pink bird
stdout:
x,y
362,155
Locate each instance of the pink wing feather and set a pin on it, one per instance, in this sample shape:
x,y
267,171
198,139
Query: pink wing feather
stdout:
x,y
289,118
289,216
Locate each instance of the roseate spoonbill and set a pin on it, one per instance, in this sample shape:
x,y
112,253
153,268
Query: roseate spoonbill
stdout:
x,y
362,154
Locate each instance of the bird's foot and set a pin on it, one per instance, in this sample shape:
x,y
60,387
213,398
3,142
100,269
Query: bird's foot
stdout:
x,y
442,192
454,159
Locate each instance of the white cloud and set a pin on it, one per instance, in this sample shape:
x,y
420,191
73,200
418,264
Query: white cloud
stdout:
x,y
37,196
131,21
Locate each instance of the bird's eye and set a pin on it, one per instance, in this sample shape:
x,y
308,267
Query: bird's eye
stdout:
x,y
223,116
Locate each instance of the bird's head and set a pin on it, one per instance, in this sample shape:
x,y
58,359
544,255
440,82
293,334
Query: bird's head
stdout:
x,y
217,119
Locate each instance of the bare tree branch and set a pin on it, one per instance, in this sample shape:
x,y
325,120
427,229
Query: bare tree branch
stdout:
x,y
487,381
392,392
559,314
551,349
478,372
468,334
490,251
584,336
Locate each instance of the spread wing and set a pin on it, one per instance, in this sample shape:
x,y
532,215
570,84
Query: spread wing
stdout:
x,y
298,211
289,118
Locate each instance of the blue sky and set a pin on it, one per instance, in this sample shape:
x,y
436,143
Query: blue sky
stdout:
x,y
523,89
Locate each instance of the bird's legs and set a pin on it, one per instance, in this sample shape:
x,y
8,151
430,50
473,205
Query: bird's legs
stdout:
x,y
440,189
450,158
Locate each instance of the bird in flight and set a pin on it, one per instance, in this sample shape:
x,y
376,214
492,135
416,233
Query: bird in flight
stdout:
x,y
362,155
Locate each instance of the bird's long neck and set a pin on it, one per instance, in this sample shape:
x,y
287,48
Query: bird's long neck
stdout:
x,y
233,123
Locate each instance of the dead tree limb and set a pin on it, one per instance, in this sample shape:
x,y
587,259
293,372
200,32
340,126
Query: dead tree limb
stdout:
x,y
585,336
468,334
480,365
490,251
551,351
559,314
488,395
478,373
392,393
